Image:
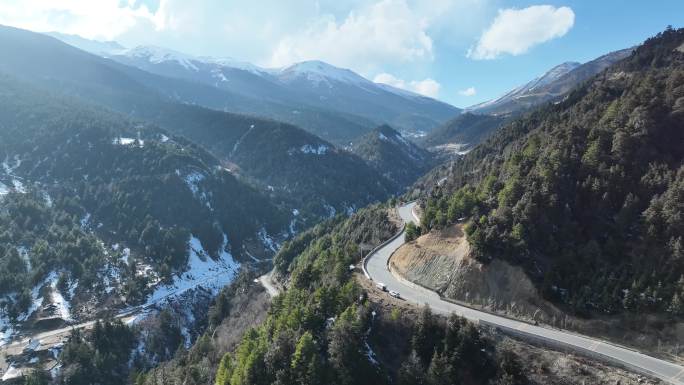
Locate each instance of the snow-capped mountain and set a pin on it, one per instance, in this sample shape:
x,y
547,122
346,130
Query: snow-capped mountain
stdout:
x,y
318,73
552,85
530,88
551,75
334,103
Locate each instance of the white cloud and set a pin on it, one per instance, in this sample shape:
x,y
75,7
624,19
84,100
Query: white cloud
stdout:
x,y
102,19
470,91
373,34
427,87
515,31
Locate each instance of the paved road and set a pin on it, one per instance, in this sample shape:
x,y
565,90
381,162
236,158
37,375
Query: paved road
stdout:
x,y
51,338
376,265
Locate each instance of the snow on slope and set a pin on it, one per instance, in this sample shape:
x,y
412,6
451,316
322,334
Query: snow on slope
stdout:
x,y
548,77
157,55
203,271
318,72
6,330
63,307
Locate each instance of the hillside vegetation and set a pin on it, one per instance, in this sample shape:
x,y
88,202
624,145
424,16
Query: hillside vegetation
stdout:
x,y
396,158
467,130
299,170
323,328
80,180
587,195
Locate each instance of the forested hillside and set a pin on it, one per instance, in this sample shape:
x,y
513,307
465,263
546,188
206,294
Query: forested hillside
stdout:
x,y
309,174
587,195
267,151
466,130
553,86
77,180
324,329
394,156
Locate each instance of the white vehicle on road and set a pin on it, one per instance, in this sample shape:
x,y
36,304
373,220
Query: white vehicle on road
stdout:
x,y
394,294
381,286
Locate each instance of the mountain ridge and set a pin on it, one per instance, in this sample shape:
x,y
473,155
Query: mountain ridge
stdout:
x,y
295,90
550,86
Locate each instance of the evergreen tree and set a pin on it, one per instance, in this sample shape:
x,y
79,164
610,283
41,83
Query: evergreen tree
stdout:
x,y
412,372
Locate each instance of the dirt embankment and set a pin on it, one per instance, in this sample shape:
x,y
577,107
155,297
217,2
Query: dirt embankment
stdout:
x,y
439,260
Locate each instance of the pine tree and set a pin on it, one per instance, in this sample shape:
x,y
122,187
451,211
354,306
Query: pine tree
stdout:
x,y
412,372
224,371
440,371
305,362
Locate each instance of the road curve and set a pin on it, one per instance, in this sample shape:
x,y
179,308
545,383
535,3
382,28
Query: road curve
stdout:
x,y
376,265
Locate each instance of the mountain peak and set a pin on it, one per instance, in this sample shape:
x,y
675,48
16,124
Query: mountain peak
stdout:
x,y
317,71
551,75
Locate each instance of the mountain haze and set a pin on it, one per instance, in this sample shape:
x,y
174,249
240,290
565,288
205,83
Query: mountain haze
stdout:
x,y
313,94
54,65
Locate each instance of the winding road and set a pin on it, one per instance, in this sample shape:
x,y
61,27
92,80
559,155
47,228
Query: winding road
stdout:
x,y
376,268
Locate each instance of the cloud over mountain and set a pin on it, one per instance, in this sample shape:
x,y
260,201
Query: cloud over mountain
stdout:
x,y
515,31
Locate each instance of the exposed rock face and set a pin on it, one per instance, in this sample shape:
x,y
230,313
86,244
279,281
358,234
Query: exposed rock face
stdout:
x,y
440,261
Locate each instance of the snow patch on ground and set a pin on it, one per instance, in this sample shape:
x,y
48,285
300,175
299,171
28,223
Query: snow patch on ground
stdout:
x,y
192,180
267,241
85,220
126,254
309,149
12,373
63,307
218,74
18,186
36,299
6,330
381,136
203,271
371,354
331,210
186,336
293,222
47,198
3,189
123,141
350,210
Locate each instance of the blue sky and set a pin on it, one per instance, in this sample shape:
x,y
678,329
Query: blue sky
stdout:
x,y
459,51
